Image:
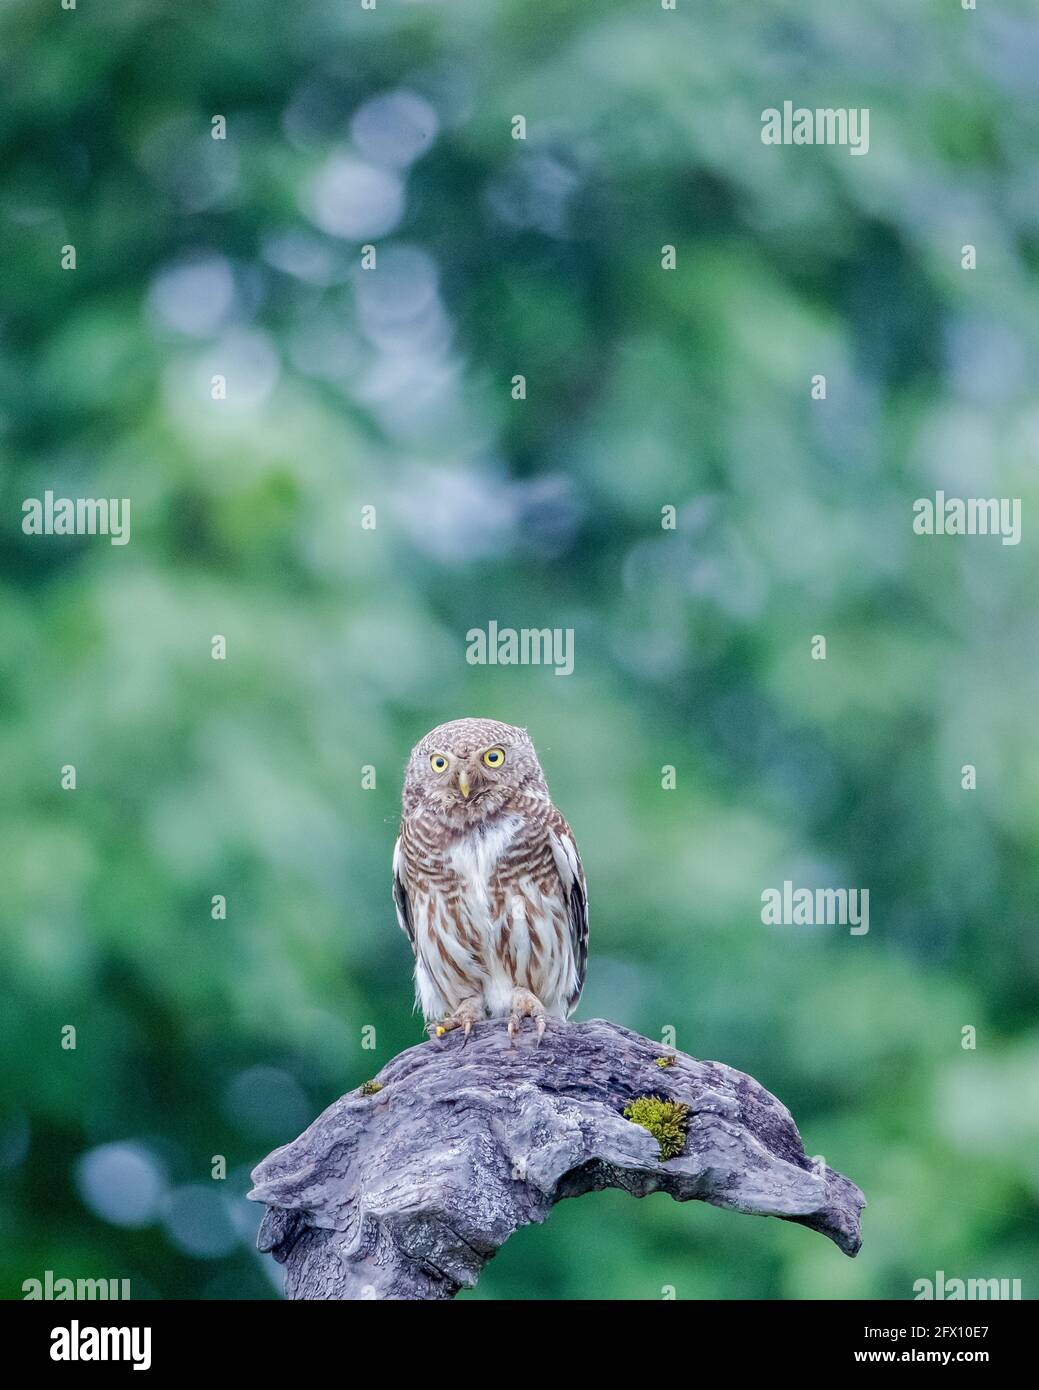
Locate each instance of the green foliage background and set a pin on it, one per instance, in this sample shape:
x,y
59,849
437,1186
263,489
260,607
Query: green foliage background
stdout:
x,y
645,388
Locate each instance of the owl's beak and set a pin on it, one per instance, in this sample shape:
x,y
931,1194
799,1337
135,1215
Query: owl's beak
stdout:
x,y
463,784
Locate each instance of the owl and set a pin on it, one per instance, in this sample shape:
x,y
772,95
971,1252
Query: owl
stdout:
x,y
487,882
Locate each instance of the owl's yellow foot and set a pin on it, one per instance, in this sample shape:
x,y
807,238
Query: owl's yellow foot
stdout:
x,y
526,1005
469,1011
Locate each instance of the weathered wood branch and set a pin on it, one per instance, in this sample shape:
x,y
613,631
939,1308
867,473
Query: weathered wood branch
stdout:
x,y
408,1192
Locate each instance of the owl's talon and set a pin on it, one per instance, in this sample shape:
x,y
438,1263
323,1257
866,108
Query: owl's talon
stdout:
x,y
526,1005
470,1011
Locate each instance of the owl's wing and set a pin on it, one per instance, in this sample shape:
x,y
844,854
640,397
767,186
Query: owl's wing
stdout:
x,y
575,895
400,894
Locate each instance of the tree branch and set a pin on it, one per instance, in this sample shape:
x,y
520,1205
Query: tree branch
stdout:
x,y
408,1192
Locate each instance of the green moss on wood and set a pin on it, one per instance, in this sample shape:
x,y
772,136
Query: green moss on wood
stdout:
x,y
666,1120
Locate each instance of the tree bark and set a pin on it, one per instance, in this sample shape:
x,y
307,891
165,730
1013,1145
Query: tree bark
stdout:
x,y
408,1192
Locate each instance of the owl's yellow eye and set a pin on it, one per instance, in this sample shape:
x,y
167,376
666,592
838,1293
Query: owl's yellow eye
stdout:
x,y
438,762
494,757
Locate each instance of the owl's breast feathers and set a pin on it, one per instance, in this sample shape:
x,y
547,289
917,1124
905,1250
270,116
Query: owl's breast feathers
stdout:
x,y
492,908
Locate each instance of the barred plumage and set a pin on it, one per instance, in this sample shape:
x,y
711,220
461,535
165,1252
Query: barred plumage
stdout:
x,y
487,881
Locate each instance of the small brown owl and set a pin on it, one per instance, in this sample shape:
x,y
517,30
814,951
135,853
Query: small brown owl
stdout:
x,y
487,881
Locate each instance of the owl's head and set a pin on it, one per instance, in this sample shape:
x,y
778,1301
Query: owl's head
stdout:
x,y
469,769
